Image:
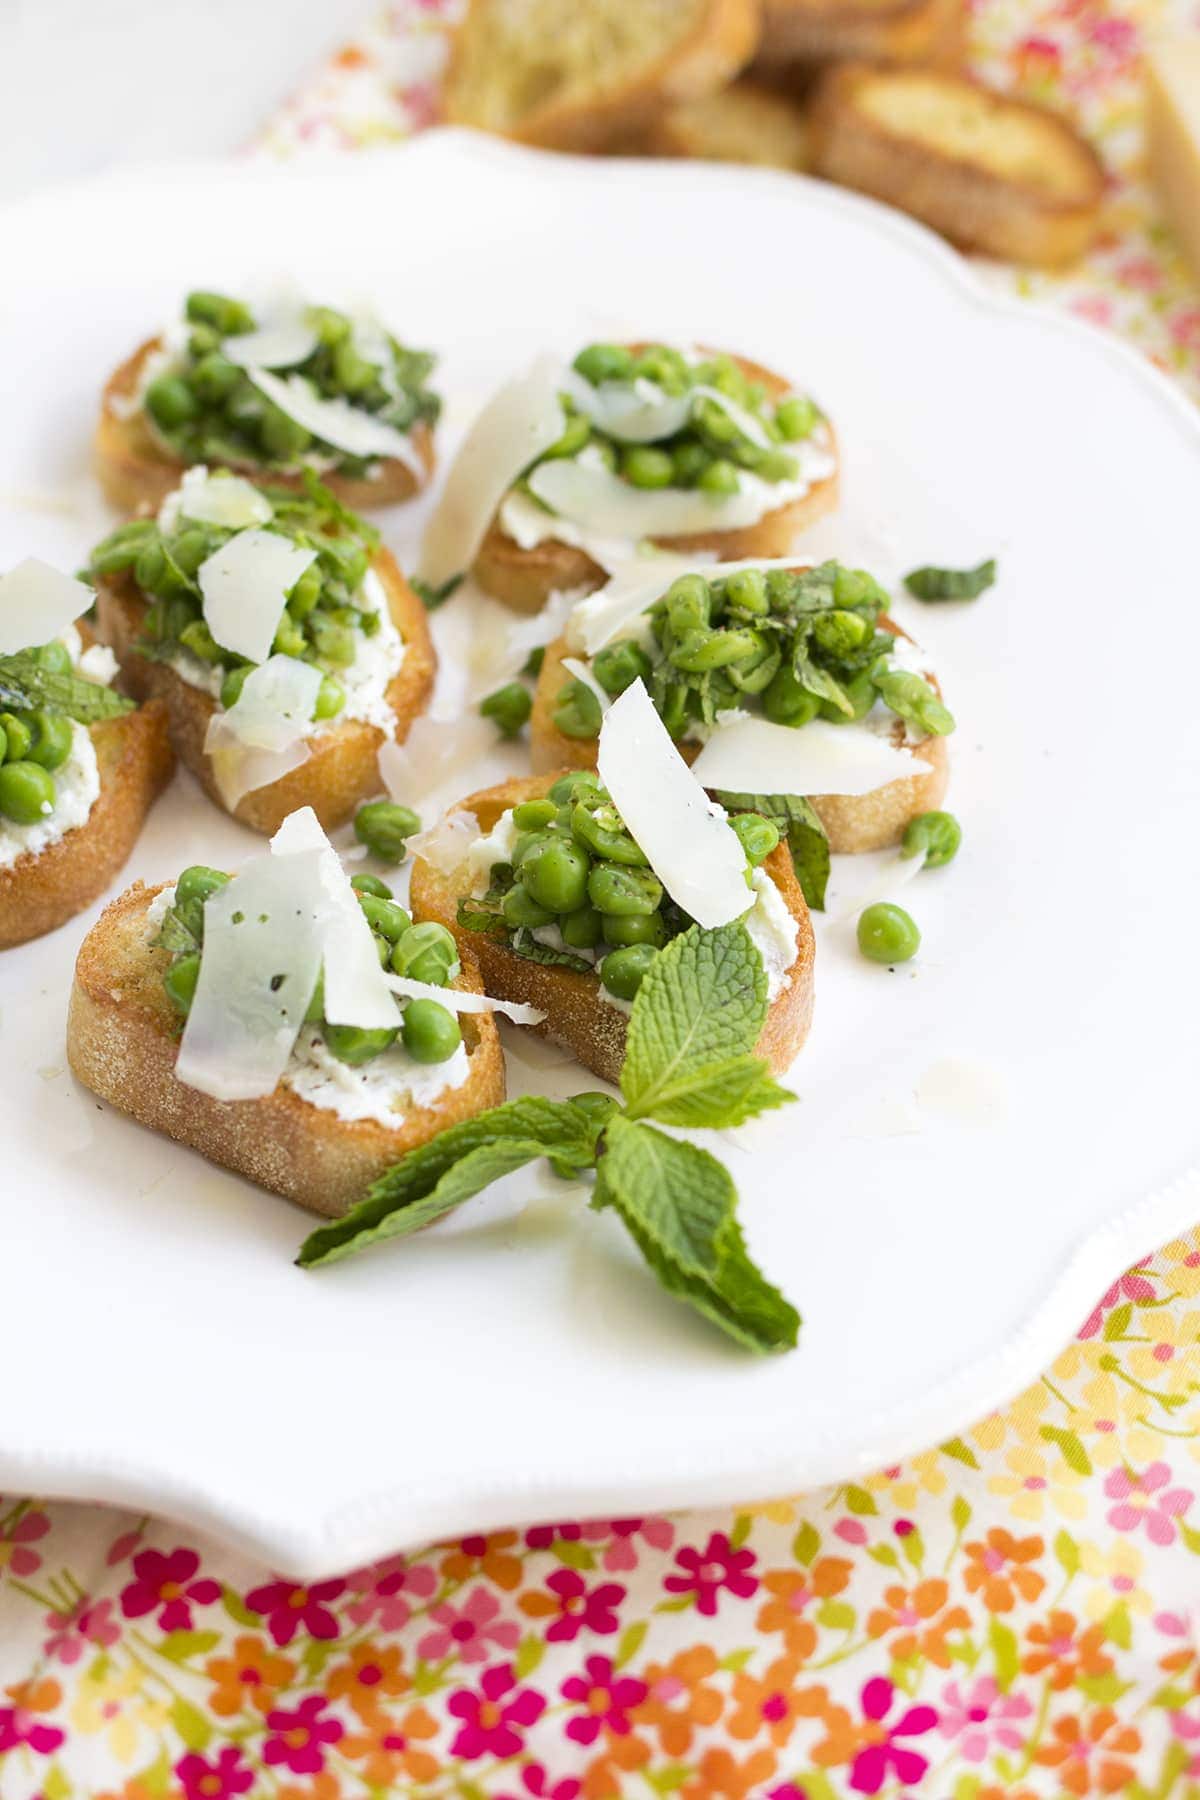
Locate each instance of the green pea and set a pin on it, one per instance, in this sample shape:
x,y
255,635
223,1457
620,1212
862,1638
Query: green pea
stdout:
x,y
283,437
197,638
371,884
352,372
191,548
938,834
618,666
383,826
855,587
526,841
354,1045
754,674
644,467
577,713
180,982
508,707
776,465
624,970
245,407
615,888
214,377
758,836
688,604
232,685
690,461
599,829
521,910
720,477
661,363
636,928
604,362
334,643
860,692
330,326
3,743
227,316
574,786
27,792
331,697
715,422
795,417
170,401
119,551
18,736
202,340
54,657
52,739
347,559
840,633
193,888
746,590
304,594
786,701
149,566
573,439
386,917
427,952
704,649
532,815
556,875
531,668
582,929
431,1032
886,934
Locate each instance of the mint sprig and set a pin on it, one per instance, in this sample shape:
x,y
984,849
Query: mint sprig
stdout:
x,y
807,840
25,686
689,1062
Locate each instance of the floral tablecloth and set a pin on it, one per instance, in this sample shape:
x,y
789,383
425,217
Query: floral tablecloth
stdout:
x,y
1014,1613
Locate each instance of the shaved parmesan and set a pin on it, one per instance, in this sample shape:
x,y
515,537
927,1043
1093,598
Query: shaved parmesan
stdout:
x,y
747,755
637,584
461,1000
690,843
427,769
288,341
245,586
37,602
228,500
261,737
336,422
516,425
747,424
634,412
589,494
355,990
447,845
583,672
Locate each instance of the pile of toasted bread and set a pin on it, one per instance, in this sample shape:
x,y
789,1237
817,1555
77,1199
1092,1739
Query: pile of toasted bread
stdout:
x,y
867,93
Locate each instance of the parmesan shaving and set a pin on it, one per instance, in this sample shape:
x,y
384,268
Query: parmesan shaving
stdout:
x,y
355,990
747,755
747,424
37,602
593,497
336,422
446,845
245,586
288,341
633,412
461,1000
261,737
226,500
583,672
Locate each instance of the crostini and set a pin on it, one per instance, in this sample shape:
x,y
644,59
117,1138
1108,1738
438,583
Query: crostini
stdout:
x,y
568,469
287,1024
747,122
80,764
307,388
283,638
802,35
566,905
763,675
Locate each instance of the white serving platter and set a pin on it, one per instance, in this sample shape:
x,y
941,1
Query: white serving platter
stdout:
x,y
985,1138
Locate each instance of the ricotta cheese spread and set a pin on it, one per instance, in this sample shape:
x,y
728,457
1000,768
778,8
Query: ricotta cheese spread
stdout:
x,y
76,790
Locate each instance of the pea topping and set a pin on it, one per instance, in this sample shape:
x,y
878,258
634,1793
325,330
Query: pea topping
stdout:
x,y
27,792
614,888
180,982
431,1031
574,785
17,737
3,743
54,656
383,826
796,416
509,707
582,929
170,401
635,928
427,952
618,666
386,917
520,909
747,590
355,1045
624,970
604,362
331,697
644,467
938,834
886,934
577,713
720,477
371,884
556,875
52,739
532,815
232,685
758,836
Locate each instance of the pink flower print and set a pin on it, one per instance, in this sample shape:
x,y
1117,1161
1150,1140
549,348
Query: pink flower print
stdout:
x,y
1132,1286
981,1718
299,1736
165,1584
540,1537
86,1623
15,1555
537,1784
471,1631
869,1770
606,1698
708,1572
1185,328
223,1778
20,1726
123,1546
574,1607
1141,272
494,1717
1146,1500
1097,309
851,1531
387,1590
621,1554
289,1608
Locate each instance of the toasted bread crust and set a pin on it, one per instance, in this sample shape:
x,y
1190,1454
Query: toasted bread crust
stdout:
x,y
748,122
122,1043
722,40
342,768
1015,217
811,32
39,893
854,822
576,1015
137,469
525,579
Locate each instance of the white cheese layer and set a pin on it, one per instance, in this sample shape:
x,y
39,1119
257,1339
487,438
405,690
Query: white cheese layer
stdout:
x,y
496,847
76,790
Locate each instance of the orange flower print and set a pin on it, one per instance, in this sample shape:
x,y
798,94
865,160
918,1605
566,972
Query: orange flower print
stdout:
x,y
771,1704
390,1748
369,1672
721,1776
489,1556
921,1620
1058,1646
252,1676
792,1591
998,1569
680,1698
604,1779
1090,1755
324,1786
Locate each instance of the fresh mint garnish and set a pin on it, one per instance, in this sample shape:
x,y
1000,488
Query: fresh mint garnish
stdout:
x,y
798,822
951,584
25,686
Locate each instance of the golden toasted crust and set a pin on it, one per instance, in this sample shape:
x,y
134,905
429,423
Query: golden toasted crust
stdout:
x,y
137,469
811,32
854,822
122,1040
525,579
989,172
39,893
746,123
576,1015
342,767
545,75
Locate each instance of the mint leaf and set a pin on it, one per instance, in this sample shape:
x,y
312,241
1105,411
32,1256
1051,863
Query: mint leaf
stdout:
x,y
798,822
679,1206
718,1096
454,1166
702,1002
432,597
932,583
817,680
523,943
25,686
914,700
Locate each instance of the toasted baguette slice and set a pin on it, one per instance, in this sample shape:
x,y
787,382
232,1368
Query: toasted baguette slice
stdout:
x,y
745,123
342,768
137,469
990,173
123,1038
576,1015
853,822
39,893
525,579
800,35
573,77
